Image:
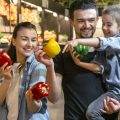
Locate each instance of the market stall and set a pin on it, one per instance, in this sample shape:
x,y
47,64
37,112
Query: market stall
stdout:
x,y
48,16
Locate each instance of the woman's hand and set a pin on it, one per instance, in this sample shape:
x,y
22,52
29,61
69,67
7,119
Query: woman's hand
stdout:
x,y
42,57
32,104
6,71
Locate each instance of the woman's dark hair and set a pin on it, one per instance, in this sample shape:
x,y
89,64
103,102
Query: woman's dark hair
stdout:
x,y
83,5
12,48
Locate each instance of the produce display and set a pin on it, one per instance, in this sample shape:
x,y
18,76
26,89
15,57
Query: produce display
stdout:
x,y
49,35
5,38
4,58
40,90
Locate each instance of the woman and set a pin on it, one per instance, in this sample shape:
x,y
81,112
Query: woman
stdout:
x,y
21,76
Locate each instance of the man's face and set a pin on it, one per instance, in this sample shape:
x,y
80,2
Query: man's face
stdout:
x,y
84,22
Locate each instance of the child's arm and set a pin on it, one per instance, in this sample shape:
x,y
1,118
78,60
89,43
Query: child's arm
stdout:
x,y
101,43
111,105
92,42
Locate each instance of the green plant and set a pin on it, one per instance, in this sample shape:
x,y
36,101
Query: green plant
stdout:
x,y
99,3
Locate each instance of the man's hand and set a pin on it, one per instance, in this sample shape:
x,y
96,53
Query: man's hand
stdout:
x,y
75,56
110,105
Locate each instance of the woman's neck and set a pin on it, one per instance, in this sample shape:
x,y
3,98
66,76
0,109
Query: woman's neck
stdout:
x,y
21,60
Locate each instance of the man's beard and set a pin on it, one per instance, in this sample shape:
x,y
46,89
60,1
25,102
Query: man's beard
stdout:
x,y
78,35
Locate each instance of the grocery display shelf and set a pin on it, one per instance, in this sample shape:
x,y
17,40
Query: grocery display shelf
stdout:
x,y
4,46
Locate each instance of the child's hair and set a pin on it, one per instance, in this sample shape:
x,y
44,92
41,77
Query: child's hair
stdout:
x,y
83,5
12,48
113,11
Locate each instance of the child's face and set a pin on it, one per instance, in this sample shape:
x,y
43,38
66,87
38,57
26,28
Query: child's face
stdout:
x,y
109,26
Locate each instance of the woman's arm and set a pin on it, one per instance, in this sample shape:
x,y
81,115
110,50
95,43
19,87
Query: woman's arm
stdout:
x,y
54,80
5,72
32,104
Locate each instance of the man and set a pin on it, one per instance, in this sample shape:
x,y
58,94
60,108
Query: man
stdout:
x,y
80,86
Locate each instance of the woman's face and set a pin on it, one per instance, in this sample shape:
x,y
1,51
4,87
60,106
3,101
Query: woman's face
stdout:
x,y
109,25
25,42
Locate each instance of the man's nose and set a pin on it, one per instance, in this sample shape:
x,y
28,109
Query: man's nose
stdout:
x,y
86,24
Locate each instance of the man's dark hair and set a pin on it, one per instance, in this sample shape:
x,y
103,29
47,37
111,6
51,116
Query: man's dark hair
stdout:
x,y
81,4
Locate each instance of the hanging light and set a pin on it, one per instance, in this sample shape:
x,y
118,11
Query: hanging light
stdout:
x,y
39,8
14,1
55,14
66,18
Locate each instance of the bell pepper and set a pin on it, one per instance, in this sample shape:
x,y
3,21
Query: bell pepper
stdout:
x,y
84,50
81,49
4,57
40,90
78,49
51,48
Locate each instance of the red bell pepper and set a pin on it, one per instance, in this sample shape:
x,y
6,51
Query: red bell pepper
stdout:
x,y
40,90
4,57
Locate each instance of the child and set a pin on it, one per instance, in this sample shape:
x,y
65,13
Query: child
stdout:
x,y
26,71
107,60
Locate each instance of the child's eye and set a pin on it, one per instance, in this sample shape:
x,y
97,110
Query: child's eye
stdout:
x,y
109,25
25,39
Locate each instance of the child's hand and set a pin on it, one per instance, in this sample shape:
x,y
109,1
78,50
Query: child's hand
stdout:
x,y
6,71
73,43
70,44
110,106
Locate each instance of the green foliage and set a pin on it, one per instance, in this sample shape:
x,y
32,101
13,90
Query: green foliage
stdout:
x,y
1,35
99,3
65,3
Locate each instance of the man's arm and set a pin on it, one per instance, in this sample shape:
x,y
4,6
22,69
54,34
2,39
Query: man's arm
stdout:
x,y
89,66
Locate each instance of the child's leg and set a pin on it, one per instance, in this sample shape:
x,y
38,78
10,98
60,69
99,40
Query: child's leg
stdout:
x,y
119,116
94,109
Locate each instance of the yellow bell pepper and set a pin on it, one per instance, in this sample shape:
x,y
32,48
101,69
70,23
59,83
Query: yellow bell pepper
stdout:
x,y
52,48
